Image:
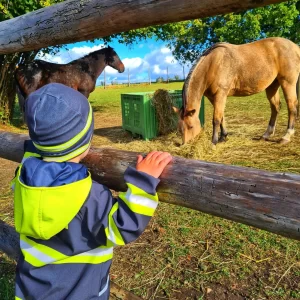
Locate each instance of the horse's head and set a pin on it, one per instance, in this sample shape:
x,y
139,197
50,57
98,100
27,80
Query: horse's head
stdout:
x,y
188,125
113,60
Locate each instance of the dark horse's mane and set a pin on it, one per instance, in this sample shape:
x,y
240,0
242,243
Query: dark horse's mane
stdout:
x,y
109,53
198,61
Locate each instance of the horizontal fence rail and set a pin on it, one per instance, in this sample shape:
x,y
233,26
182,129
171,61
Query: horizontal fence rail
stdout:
x,y
266,200
74,21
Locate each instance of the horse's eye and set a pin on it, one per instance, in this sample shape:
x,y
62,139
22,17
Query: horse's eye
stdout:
x,y
190,127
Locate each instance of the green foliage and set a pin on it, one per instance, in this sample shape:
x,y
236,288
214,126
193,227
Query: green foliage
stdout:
x,y
12,9
189,38
159,79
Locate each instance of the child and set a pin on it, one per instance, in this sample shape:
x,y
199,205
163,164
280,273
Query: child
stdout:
x,y
68,224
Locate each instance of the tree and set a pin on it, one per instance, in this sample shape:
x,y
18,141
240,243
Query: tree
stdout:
x,y
8,63
176,77
189,38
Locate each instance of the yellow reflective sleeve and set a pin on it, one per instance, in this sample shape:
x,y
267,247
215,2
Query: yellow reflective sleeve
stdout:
x,y
139,201
112,232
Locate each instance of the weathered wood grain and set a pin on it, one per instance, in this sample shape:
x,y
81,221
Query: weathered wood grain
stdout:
x,y
73,20
266,200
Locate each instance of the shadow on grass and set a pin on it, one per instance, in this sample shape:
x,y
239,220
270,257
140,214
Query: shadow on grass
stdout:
x,y
116,134
99,108
273,141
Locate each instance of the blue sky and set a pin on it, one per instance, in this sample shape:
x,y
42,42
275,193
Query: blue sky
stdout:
x,y
140,58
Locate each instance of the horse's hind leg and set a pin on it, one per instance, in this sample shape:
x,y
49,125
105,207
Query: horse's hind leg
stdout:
x,y
290,96
273,96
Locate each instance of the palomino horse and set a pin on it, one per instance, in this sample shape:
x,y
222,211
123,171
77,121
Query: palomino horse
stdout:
x,y
80,74
241,70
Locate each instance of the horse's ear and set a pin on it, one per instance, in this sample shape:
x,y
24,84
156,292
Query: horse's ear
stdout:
x,y
176,110
190,113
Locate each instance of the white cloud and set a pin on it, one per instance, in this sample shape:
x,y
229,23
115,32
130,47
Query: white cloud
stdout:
x,y
54,59
156,69
132,63
170,59
165,50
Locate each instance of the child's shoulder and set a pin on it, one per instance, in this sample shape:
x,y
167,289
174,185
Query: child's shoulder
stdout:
x,y
99,195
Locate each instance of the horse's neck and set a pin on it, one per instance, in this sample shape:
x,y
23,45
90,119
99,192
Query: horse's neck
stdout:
x,y
96,63
195,87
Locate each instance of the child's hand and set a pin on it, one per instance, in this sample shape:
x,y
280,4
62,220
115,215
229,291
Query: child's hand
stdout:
x,y
154,163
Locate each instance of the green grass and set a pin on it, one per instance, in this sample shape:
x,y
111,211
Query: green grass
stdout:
x,y
111,96
7,278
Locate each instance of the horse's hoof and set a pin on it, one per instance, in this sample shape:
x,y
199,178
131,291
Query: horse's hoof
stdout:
x,y
264,138
213,147
283,141
222,139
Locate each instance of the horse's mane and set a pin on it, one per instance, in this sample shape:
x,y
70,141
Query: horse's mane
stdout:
x,y
109,53
195,64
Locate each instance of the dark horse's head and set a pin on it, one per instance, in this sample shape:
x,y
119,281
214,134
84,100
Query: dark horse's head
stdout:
x,y
113,60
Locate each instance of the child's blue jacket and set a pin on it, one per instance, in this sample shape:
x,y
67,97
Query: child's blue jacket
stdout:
x,y
69,224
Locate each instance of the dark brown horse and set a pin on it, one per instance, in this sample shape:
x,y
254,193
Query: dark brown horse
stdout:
x,y
80,74
241,70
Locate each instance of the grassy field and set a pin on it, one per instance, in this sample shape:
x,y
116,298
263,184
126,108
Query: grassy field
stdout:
x,y
110,97
185,254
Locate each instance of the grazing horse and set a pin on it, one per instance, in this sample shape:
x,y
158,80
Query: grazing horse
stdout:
x,y
241,70
80,74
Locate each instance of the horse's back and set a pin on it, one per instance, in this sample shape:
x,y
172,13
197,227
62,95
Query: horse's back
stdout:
x,y
250,68
37,73
276,55
273,49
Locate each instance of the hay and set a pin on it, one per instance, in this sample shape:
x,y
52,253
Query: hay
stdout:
x,y
166,117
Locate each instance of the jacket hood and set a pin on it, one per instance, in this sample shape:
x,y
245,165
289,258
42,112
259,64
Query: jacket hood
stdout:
x,y
48,195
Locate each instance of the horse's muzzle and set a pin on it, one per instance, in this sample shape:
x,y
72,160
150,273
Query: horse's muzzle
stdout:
x,y
121,69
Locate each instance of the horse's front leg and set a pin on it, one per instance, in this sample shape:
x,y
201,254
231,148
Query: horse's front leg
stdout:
x,y
291,100
219,107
